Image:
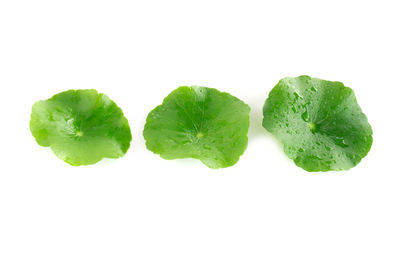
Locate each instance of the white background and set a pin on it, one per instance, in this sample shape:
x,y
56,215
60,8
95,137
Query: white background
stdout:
x,y
143,208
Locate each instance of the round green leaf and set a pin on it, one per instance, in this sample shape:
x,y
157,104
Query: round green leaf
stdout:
x,y
319,123
81,127
201,123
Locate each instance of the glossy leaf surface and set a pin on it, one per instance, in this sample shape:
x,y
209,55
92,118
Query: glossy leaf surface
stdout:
x,y
319,123
199,122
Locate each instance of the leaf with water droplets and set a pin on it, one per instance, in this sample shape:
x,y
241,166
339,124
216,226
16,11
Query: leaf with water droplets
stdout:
x,y
327,132
199,122
81,127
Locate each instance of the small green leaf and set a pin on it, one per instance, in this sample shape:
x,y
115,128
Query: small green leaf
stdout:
x,y
319,123
201,123
81,127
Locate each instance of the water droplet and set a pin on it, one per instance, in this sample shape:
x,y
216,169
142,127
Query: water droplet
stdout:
x,y
186,141
313,89
305,116
317,157
207,147
341,142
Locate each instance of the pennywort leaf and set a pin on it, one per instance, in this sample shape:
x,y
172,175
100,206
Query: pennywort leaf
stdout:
x,y
199,122
81,127
319,122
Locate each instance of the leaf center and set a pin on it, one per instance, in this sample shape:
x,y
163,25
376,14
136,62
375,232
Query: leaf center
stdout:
x,y
200,135
79,133
312,127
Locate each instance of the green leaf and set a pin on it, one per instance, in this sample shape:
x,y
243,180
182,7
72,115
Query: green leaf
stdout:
x,y
319,123
81,127
201,123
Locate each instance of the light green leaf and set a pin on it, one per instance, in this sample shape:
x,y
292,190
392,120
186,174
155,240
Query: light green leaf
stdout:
x,y
81,127
199,122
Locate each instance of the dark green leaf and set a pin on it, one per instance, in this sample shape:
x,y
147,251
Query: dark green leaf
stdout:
x,y
319,123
